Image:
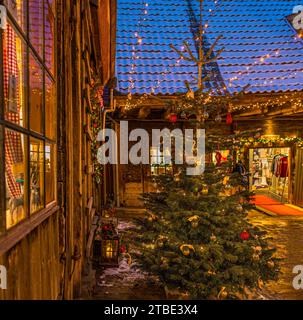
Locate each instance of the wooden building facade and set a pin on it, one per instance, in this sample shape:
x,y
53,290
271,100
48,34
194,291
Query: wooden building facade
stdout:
x,y
54,56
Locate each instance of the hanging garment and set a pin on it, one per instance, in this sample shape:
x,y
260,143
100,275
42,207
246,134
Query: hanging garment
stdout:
x,y
283,166
274,164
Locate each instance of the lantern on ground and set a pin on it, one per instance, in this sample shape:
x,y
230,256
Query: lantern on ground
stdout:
x,y
110,251
106,246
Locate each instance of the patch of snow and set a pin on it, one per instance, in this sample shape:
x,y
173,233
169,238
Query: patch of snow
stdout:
x,y
125,225
127,273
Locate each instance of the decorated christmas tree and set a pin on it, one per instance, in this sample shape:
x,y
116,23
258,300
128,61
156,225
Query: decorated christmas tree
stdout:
x,y
196,236
197,239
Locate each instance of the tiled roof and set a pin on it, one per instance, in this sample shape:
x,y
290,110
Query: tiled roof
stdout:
x,y
250,30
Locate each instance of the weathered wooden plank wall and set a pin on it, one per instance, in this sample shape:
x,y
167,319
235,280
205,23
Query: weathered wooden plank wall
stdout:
x,y
48,263
79,63
33,265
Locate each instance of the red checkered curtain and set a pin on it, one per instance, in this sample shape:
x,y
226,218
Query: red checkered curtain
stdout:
x,y
13,144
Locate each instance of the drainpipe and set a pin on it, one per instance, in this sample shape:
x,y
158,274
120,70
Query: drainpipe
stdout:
x,y
112,108
117,185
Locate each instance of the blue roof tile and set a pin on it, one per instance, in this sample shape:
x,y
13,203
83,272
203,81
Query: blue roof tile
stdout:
x,y
250,30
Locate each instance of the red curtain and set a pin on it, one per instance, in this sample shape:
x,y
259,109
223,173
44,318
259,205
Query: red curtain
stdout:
x,y
13,144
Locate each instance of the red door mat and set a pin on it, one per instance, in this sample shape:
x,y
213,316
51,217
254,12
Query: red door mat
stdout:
x,y
271,206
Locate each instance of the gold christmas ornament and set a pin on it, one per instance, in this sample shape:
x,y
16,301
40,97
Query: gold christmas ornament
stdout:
x,y
256,257
270,264
225,180
205,115
222,294
258,249
186,249
251,139
195,224
161,241
194,220
204,190
177,176
151,217
213,238
164,263
260,283
239,208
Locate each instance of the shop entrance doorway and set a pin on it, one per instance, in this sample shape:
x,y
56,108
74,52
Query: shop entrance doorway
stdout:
x,y
269,172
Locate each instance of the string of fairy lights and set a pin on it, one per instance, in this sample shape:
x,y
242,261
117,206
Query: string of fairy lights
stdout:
x,y
139,41
232,82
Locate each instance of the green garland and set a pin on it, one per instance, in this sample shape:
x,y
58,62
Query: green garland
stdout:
x,y
96,125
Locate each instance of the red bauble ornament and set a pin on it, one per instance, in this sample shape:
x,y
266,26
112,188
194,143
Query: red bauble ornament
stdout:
x,y
244,235
229,118
218,158
173,118
122,249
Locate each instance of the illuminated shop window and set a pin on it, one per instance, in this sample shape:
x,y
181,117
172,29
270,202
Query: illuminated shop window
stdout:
x,y
28,115
15,177
50,172
36,175
14,73
158,164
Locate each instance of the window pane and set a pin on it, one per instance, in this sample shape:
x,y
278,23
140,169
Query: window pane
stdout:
x,y
36,94
49,33
50,109
36,24
15,176
14,64
36,175
18,10
50,172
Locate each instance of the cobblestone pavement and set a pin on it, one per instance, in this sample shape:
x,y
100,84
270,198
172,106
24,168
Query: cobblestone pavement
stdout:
x,y
130,283
287,234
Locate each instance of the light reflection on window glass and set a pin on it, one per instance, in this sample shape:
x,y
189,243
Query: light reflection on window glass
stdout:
x,y
17,8
36,94
15,177
50,172
50,109
36,25
14,63
49,33
36,175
